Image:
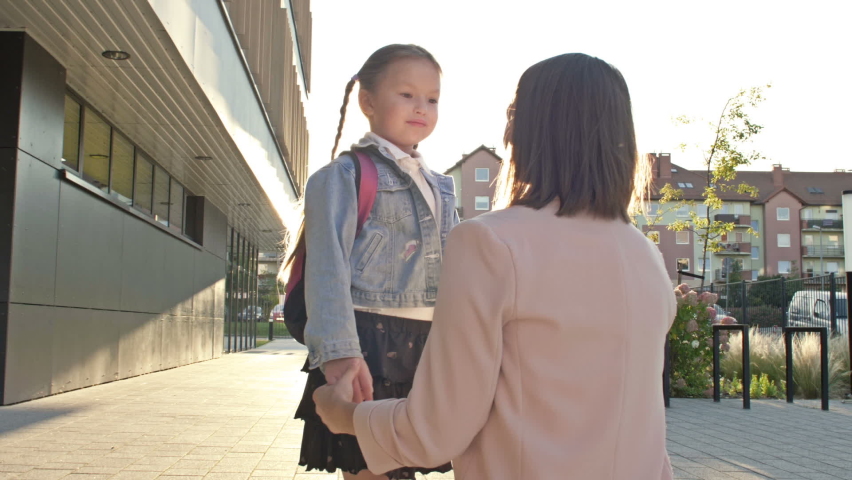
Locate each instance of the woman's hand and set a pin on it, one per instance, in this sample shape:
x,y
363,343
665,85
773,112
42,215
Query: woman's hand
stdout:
x,y
362,383
335,402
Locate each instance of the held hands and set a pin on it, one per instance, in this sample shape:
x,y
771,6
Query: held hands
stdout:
x,y
334,403
362,383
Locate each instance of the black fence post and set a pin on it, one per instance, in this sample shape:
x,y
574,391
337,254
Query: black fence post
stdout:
x,y
832,301
745,302
784,302
788,355
849,318
823,366
717,394
746,360
746,369
823,360
667,372
711,287
271,321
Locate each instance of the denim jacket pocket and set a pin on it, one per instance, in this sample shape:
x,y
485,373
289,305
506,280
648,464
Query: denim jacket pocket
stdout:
x,y
375,241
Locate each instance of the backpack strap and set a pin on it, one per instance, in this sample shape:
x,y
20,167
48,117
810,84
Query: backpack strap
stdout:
x,y
366,184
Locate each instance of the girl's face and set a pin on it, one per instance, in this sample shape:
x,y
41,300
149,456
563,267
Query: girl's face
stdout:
x,y
404,108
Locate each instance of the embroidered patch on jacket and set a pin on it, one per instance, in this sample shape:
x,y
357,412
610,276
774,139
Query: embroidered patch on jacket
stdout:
x,y
410,249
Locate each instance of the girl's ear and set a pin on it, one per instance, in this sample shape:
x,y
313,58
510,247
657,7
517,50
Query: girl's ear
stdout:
x,y
365,101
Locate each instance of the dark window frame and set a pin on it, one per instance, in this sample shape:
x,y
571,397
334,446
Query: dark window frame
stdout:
x,y
76,177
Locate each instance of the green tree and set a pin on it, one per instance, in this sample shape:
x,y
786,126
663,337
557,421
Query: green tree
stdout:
x,y
732,130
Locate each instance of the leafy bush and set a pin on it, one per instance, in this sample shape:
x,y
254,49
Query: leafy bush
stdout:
x,y
691,340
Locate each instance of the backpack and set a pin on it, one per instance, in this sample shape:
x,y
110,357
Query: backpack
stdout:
x,y
295,310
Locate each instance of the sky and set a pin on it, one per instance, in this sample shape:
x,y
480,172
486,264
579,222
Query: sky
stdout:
x,y
678,58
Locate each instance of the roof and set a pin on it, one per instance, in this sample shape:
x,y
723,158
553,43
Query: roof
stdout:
x,y
802,185
468,155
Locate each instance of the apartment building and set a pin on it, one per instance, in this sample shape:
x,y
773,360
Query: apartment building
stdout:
x,y
797,217
475,178
149,151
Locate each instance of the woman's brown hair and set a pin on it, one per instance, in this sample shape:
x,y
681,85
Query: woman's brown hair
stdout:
x,y
572,136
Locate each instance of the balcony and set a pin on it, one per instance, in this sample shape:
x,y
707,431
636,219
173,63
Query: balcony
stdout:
x,y
738,220
823,224
825,251
742,248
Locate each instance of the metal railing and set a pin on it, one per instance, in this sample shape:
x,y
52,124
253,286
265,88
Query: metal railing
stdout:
x,y
743,248
827,251
736,219
823,224
781,302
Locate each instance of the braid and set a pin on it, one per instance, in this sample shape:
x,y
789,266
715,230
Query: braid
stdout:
x,y
349,87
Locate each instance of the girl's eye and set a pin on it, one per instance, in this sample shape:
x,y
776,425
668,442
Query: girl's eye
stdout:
x,y
406,95
433,100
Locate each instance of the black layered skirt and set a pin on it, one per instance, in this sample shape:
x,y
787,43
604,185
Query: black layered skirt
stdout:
x,y
391,347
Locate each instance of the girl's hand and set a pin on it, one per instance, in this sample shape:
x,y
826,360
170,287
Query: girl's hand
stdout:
x,y
362,383
334,402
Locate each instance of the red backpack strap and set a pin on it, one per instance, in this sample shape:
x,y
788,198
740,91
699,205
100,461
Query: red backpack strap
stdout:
x,y
368,183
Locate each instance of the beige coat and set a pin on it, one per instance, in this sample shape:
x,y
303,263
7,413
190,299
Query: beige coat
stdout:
x,y
545,356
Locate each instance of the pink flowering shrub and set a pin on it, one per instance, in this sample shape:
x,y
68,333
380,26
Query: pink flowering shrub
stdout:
x,y
691,340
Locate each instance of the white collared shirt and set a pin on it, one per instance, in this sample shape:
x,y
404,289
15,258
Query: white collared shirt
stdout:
x,y
410,164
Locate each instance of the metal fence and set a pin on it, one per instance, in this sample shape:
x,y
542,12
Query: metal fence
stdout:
x,y
270,322
780,302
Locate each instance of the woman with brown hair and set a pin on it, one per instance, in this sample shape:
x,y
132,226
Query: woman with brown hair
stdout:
x,y
546,350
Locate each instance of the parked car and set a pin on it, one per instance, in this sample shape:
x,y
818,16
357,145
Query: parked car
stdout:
x,y
247,314
810,308
277,313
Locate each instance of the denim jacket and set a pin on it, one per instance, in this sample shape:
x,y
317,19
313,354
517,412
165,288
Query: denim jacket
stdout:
x,y
394,262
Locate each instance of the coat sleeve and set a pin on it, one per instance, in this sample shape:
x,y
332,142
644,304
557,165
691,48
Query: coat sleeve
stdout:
x,y
331,204
457,376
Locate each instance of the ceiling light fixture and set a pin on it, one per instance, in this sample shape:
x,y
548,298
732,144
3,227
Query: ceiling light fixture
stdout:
x,y
115,55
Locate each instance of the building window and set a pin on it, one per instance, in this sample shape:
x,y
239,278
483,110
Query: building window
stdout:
x,y
702,210
755,253
176,206
653,209
738,237
654,236
784,267
833,240
782,213
683,264
682,238
122,169
783,239
831,215
831,267
683,211
754,274
161,196
738,209
755,226
111,162
482,174
143,189
96,150
706,266
71,137
807,240
482,203
807,214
